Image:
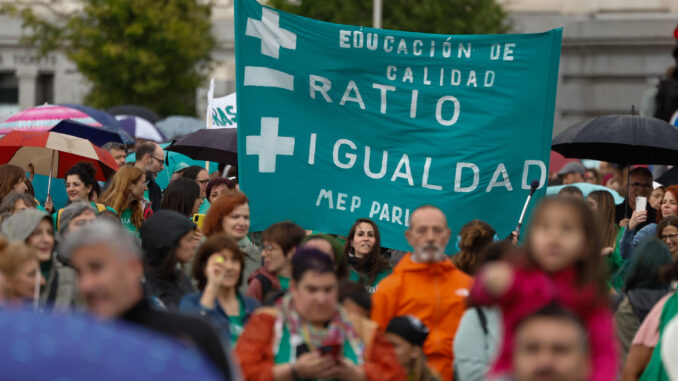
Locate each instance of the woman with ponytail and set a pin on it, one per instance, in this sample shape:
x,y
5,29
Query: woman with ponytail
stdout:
x,y
473,238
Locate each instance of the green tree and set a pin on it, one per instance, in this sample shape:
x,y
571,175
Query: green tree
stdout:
x,y
425,16
153,53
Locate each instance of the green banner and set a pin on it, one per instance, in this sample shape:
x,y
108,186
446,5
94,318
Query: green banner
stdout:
x,y
339,122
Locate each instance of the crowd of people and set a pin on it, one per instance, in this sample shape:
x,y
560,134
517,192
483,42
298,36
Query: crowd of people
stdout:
x,y
588,293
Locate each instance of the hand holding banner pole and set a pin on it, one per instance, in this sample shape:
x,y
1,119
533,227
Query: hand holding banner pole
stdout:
x,y
533,187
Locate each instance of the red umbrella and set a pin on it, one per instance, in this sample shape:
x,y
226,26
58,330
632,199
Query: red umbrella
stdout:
x,y
52,153
558,161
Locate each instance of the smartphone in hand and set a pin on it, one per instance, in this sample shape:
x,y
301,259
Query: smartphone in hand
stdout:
x,y
641,203
199,219
333,350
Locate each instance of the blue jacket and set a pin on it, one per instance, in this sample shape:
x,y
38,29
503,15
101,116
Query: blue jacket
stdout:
x,y
190,304
631,239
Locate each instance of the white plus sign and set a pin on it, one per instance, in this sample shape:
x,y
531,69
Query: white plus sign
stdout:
x,y
268,145
271,35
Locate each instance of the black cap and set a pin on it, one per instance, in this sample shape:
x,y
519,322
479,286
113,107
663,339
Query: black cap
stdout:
x,y
409,328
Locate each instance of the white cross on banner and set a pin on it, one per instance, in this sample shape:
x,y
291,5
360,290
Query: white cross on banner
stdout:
x,y
271,35
269,145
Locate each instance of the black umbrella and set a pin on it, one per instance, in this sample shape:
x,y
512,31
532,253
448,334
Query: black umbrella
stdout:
x,y
135,110
620,139
217,144
669,177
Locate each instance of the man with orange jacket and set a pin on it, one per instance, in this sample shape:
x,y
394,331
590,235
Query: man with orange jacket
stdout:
x,y
426,284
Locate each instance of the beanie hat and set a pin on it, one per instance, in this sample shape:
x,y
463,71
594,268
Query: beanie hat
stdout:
x,y
409,328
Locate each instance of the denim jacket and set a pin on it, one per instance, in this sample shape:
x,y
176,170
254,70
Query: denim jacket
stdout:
x,y
190,304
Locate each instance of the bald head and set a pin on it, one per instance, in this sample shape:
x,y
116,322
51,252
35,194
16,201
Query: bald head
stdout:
x,y
428,234
427,212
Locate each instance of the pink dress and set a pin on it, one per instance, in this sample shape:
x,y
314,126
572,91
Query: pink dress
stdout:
x,y
533,289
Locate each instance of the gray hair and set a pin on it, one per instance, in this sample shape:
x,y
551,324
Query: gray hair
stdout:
x,y
70,212
102,232
114,145
9,201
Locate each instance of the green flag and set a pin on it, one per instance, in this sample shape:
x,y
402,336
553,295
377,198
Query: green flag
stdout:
x,y
339,122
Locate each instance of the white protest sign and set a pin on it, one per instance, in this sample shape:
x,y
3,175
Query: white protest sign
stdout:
x,y
221,112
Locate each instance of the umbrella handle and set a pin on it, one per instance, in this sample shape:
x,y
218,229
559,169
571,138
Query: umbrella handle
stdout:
x,y
36,290
49,181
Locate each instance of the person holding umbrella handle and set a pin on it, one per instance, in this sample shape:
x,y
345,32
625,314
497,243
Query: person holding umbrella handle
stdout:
x,y
48,205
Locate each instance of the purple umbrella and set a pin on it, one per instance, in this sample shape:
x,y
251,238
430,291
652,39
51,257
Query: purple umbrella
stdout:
x,y
140,128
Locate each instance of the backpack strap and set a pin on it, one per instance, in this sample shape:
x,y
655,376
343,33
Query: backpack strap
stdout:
x,y
266,285
100,207
58,219
482,318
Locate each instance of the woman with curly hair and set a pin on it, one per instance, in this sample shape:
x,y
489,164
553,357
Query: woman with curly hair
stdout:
x,y
230,214
126,195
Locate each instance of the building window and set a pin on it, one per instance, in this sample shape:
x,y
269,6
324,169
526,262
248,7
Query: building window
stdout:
x,y
45,88
9,89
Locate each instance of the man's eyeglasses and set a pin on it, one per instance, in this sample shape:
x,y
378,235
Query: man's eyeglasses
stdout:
x,y
270,248
162,161
641,185
663,237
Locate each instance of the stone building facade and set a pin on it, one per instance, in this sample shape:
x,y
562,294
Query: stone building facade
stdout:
x,y
614,51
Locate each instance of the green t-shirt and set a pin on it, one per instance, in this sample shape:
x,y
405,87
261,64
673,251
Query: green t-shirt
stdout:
x,y
285,353
236,324
284,282
204,207
615,264
126,219
354,276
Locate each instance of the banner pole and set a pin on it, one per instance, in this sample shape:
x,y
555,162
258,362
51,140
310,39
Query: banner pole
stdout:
x,y
376,13
210,97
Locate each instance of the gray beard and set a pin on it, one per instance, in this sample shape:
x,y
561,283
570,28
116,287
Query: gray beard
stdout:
x,y
421,255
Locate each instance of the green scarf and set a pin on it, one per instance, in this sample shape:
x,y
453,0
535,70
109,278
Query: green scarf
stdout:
x,y
292,331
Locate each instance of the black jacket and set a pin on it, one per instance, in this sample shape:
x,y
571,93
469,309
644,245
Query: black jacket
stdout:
x,y
666,100
643,299
159,234
192,331
169,291
621,213
154,194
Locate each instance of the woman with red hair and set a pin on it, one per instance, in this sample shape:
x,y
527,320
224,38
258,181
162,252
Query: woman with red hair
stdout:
x,y
230,214
633,236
